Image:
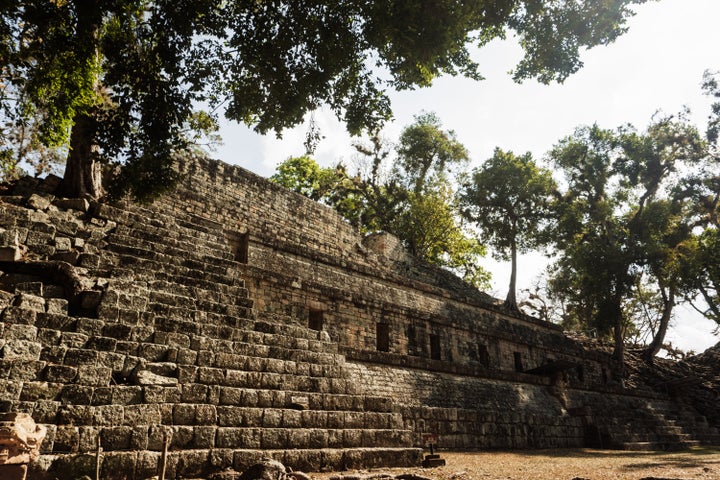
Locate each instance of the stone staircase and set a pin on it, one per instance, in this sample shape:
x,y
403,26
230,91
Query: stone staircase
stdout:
x,y
645,424
171,352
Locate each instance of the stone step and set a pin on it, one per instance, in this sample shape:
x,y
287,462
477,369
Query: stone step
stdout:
x,y
152,269
73,438
57,329
155,220
169,241
98,368
175,259
204,414
144,464
218,293
54,394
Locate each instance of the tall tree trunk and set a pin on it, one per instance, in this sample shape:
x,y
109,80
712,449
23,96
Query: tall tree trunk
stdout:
x,y
511,299
83,173
668,304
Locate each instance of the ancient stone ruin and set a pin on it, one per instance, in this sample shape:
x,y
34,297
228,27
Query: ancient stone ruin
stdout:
x,y
234,320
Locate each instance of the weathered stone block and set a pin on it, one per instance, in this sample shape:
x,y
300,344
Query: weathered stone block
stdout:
x,y
184,414
89,260
194,393
127,395
34,391
75,340
19,315
211,376
56,305
204,437
67,439
274,438
142,415
39,202
108,415
88,438
63,244
10,254
119,465
147,464
229,437
21,350
182,437
45,411
79,204
29,301
60,373
78,356
117,437
140,437
20,332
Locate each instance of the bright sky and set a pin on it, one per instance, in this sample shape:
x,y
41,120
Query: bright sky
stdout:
x,y
657,65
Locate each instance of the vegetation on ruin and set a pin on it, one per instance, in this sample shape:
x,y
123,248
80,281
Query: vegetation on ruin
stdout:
x,y
407,191
116,83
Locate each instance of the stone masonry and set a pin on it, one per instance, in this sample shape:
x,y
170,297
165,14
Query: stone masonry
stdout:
x,y
233,320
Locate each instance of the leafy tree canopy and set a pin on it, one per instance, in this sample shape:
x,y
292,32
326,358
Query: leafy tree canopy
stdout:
x,y
624,221
117,80
509,198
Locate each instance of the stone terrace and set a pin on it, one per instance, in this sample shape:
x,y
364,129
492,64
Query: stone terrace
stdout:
x,y
159,340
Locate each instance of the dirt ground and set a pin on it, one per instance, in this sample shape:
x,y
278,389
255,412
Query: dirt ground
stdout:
x,y
586,464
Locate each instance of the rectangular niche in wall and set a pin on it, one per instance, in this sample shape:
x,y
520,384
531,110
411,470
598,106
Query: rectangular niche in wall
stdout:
x,y
382,335
239,244
518,361
435,346
483,354
315,320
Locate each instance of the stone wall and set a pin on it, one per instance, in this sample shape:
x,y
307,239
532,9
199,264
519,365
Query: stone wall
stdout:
x,y
303,261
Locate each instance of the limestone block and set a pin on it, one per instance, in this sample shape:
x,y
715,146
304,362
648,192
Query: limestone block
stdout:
x,y
56,305
63,244
79,204
39,202
21,350
89,260
10,253
19,315
108,415
146,377
30,302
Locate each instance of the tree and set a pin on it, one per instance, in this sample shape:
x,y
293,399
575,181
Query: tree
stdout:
x,y
622,220
117,80
425,151
413,199
508,198
701,273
